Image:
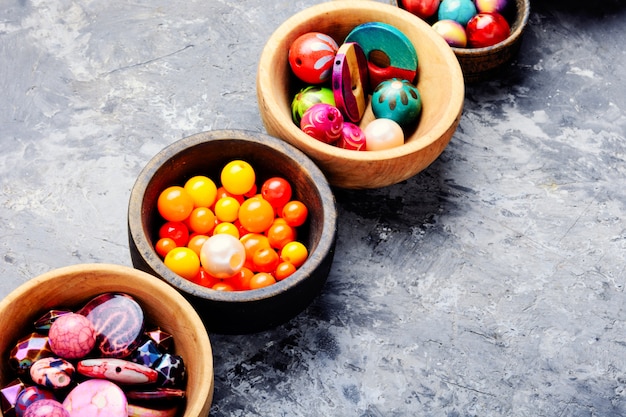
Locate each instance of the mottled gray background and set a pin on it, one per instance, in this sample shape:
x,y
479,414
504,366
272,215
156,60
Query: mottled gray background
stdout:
x,y
491,284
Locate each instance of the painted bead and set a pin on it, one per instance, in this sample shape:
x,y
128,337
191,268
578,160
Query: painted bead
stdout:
x,y
398,100
487,29
72,336
28,396
135,410
171,370
44,322
46,408
352,137
389,52
308,97
147,354
52,372
119,323
28,350
222,255
157,394
459,10
504,7
452,31
423,9
383,134
163,340
117,370
96,398
350,81
9,396
311,57
322,122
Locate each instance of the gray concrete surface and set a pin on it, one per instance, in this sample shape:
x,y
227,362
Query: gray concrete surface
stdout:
x,y
491,284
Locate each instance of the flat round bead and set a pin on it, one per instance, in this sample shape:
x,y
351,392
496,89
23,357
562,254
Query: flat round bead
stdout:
x,y
46,408
72,336
96,398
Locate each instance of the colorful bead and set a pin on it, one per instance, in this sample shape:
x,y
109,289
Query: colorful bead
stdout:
x,y
147,354
398,100
350,80
383,134
308,97
44,322
322,122
487,29
400,57
46,408
117,370
28,396
9,396
171,370
452,32
28,350
499,6
352,137
119,323
163,340
423,9
311,57
96,398
459,10
52,372
72,336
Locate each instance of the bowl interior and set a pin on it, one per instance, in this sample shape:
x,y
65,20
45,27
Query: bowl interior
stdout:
x,y
206,154
440,83
72,286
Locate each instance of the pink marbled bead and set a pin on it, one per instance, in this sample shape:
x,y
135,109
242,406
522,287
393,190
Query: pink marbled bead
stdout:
x,y
46,408
96,398
72,336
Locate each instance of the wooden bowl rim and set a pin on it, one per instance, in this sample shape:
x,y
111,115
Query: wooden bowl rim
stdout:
x,y
453,109
202,392
508,42
147,251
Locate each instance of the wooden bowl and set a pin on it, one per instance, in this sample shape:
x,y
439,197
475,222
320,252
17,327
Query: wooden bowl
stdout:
x,y
440,83
206,153
72,286
480,64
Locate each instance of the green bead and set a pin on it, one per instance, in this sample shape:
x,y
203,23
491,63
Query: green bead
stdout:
x,y
307,97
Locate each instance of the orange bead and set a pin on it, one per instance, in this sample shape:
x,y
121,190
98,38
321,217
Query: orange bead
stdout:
x,y
261,280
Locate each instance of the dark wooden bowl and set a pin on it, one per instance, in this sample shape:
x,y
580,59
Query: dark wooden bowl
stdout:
x,y
205,154
440,82
480,64
72,286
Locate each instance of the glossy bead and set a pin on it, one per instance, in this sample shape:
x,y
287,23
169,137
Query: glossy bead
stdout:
x,y
163,340
487,29
499,6
322,122
159,394
135,410
9,396
28,396
171,370
29,349
119,323
117,370
147,354
383,134
459,10
352,137
398,100
222,255
46,408
311,57
55,373
452,32
390,52
72,336
310,96
350,81
44,322
96,398
423,9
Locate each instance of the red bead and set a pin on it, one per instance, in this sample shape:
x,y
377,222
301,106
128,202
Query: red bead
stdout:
x,y
487,29
311,57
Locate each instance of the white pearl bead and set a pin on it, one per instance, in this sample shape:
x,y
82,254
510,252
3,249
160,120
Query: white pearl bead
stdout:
x,y
222,255
383,134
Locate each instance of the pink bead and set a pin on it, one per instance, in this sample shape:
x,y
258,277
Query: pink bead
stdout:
x,y
322,122
96,398
72,336
352,137
46,408
452,31
383,134
311,57
117,370
487,29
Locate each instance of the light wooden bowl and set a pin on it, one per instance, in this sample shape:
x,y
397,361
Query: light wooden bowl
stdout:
x,y
440,83
72,286
206,153
481,64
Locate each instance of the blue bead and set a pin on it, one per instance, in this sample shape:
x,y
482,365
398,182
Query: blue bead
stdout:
x,y
147,354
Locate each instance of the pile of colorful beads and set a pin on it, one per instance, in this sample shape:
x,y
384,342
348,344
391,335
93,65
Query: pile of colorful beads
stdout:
x,y
100,360
235,237
466,23
339,81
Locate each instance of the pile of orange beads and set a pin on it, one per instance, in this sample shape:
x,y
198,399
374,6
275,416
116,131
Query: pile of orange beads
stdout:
x,y
233,237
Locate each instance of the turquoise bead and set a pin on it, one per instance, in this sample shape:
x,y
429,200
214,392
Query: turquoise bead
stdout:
x,y
398,100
